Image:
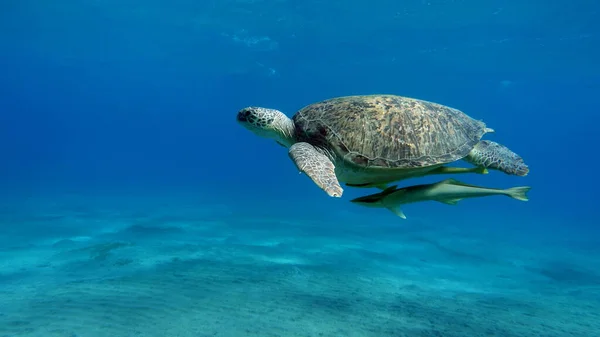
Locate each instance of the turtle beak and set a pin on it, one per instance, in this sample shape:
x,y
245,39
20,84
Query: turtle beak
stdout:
x,y
242,116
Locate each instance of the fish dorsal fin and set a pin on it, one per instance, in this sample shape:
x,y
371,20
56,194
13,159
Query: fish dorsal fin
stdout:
x,y
449,181
389,190
456,182
450,201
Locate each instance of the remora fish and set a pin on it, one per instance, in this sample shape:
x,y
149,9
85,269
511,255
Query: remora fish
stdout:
x,y
449,191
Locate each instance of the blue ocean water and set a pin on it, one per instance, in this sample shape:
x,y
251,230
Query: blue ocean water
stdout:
x,y
133,204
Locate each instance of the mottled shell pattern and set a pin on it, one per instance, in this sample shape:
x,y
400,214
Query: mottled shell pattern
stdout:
x,y
388,131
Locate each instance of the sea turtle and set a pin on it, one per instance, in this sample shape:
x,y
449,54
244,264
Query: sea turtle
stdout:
x,y
372,140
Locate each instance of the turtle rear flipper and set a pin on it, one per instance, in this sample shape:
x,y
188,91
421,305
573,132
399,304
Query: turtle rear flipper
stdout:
x,y
496,156
317,166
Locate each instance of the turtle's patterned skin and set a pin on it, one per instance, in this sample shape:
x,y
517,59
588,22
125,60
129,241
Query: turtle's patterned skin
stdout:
x,y
387,131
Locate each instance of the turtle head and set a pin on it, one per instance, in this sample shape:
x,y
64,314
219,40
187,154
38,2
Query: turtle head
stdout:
x,y
268,123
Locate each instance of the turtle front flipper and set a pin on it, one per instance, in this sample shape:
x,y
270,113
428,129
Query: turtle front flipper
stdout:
x,y
496,156
317,166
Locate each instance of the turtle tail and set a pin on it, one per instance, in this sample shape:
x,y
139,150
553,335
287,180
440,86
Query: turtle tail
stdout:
x,y
498,157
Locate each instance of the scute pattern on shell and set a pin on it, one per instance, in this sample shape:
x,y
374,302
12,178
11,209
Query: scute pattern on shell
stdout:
x,y
388,131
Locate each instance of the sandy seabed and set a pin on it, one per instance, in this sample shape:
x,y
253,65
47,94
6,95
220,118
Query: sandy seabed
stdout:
x,y
82,269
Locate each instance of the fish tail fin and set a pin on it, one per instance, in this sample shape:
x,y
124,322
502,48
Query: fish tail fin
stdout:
x,y
519,193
